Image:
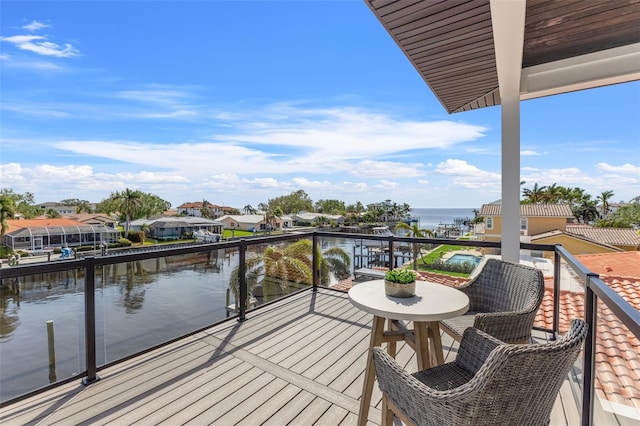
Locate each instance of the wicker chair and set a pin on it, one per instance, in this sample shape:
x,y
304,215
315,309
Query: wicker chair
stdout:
x,y
503,300
489,383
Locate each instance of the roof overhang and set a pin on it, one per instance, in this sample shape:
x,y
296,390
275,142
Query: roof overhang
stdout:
x,y
568,46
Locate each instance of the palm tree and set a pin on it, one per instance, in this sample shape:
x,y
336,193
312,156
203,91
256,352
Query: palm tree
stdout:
x,y
291,264
604,198
587,210
83,207
552,194
248,209
7,211
416,232
205,211
144,231
129,202
534,195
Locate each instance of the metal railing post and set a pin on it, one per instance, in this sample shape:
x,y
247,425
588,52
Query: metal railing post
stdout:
x,y
90,320
315,262
591,316
392,259
556,293
242,279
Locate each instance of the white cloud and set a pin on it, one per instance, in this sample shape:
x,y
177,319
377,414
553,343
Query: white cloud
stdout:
x,y
386,185
529,153
41,46
35,26
622,169
467,175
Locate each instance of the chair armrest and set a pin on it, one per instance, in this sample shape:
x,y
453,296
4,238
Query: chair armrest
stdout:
x,y
475,347
510,327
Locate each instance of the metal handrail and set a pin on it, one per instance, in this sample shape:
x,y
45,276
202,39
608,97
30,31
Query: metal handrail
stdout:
x,y
595,289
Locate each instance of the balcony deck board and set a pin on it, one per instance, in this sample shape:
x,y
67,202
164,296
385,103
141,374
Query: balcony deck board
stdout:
x,y
299,361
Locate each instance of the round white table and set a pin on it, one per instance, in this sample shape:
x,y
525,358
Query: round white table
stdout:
x,y
432,303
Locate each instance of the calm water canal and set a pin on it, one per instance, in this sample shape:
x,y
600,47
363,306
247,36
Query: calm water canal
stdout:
x,y
138,305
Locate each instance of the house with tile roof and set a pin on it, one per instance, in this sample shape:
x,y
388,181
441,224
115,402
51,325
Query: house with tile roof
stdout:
x,y
93,219
37,235
534,219
553,224
195,209
626,239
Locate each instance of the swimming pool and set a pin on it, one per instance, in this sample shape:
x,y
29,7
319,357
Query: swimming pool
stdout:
x,y
464,258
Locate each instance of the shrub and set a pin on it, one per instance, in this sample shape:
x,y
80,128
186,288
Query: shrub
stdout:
x,y
463,268
135,236
124,242
401,276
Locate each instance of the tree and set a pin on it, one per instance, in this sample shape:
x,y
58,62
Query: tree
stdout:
x,y
248,209
586,210
52,214
205,211
551,194
83,207
295,202
23,203
604,198
129,203
330,207
534,195
146,205
7,211
626,216
416,232
144,231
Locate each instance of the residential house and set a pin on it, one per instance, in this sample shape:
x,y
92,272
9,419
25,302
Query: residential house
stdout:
x,y
626,239
534,219
305,218
248,222
553,224
195,209
175,228
93,219
61,209
37,235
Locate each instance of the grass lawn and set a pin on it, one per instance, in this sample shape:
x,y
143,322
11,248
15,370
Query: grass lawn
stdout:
x,y
437,254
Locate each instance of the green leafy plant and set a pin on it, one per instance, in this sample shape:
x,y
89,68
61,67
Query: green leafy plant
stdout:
x,y
401,276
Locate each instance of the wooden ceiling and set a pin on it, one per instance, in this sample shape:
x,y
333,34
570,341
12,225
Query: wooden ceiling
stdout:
x,y
450,43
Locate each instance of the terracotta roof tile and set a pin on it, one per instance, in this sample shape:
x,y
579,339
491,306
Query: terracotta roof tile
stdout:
x,y
38,223
617,265
613,236
530,210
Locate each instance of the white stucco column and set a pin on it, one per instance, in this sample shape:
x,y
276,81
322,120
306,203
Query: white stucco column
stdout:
x,y
508,18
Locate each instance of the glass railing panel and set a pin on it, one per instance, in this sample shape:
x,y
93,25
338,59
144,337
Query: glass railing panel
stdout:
x,y
337,261
41,331
617,367
141,304
571,297
277,268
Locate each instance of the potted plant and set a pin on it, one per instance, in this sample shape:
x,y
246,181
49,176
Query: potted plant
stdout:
x,y
400,283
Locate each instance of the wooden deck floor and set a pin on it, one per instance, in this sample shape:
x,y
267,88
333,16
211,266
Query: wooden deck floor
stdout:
x,y
299,362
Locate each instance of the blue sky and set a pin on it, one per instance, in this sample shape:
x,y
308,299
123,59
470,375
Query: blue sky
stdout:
x,y
240,102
